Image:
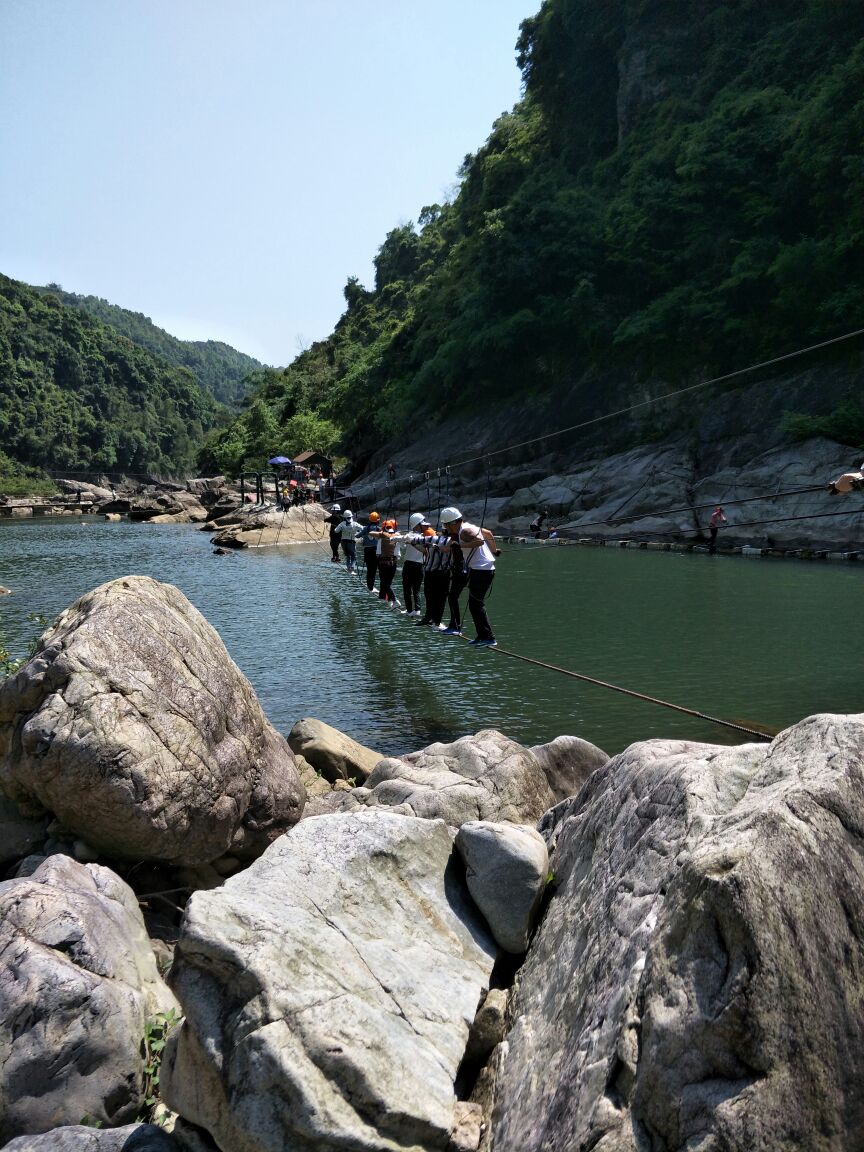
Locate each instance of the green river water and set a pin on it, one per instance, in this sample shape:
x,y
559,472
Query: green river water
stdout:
x,y
749,640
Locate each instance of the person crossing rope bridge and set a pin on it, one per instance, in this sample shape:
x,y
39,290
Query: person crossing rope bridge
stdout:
x,y
478,551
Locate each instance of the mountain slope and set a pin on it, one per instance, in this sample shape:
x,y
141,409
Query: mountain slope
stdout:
x,y
75,394
217,367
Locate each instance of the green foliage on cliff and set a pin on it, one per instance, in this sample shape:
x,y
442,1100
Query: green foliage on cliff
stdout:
x,y
678,193
75,394
218,368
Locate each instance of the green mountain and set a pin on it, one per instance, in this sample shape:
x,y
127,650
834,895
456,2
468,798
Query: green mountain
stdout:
x,y
217,367
77,395
678,194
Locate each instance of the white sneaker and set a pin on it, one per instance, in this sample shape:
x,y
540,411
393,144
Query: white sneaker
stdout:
x,y
439,628
417,613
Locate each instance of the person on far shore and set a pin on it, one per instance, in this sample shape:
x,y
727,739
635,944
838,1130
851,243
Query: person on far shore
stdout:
x,y
848,482
717,518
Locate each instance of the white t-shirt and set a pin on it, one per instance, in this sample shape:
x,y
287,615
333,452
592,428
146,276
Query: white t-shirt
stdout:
x,y
478,558
348,529
411,552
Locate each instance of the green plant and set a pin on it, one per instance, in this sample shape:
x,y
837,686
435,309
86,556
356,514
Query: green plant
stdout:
x,y
156,1032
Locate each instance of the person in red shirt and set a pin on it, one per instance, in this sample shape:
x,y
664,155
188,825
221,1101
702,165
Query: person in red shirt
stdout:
x,y
717,518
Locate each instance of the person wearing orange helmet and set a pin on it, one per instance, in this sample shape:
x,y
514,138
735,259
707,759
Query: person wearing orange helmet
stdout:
x,y
389,547
370,549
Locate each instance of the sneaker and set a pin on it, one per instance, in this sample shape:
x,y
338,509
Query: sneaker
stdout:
x,y
484,643
452,631
415,613
441,628
405,612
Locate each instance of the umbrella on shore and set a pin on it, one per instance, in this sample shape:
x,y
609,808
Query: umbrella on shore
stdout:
x,y
282,461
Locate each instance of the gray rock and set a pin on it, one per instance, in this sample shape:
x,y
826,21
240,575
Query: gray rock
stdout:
x,y
19,835
257,527
568,761
132,725
482,777
695,980
330,752
80,1138
489,1027
329,990
506,867
78,981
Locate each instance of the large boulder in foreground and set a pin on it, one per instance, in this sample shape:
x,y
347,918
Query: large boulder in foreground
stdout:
x,y
78,982
330,752
132,725
82,1138
705,945
329,991
483,777
567,762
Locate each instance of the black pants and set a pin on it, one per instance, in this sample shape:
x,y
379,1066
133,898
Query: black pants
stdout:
x,y
386,572
713,542
412,579
458,580
479,583
370,559
334,545
436,585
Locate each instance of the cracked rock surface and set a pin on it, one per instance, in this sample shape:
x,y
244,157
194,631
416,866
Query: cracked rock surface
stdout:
x,y
78,981
134,727
80,1138
698,979
482,777
329,991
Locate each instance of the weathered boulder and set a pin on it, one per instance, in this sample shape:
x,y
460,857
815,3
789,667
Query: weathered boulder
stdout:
x,y
261,528
78,981
506,868
481,777
89,492
696,979
82,1138
132,724
567,762
19,835
208,489
330,752
329,990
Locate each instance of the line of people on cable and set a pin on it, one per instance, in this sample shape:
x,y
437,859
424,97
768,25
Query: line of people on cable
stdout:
x,y
437,565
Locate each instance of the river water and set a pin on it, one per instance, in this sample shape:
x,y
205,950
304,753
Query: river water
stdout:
x,y
748,640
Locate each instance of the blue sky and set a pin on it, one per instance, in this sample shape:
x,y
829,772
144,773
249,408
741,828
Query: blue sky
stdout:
x,y
225,165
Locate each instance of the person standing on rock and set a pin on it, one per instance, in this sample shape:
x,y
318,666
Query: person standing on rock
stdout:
x,y
334,520
717,518
536,525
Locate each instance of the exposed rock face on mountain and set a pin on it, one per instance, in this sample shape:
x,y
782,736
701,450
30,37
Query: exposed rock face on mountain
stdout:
x,y
482,777
78,981
705,943
329,991
134,727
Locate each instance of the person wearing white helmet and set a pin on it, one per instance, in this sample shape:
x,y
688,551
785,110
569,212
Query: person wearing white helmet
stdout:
x,y
334,520
412,563
451,518
348,531
479,560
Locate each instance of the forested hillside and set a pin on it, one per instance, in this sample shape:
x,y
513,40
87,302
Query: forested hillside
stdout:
x,y
678,193
217,367
75,394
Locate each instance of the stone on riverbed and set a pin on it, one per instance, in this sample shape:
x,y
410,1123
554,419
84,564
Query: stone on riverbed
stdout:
x,y
696,979
482,777
329,991
78,981
263,528
132,725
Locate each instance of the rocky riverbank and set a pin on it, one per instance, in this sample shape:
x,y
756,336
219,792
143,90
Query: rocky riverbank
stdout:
x,y
477,945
